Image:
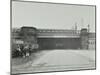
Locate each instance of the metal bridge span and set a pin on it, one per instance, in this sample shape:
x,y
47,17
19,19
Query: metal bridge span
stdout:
x,y
58,39
58,33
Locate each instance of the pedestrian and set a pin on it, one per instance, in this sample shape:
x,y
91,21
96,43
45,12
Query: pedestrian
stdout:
x,y
26,51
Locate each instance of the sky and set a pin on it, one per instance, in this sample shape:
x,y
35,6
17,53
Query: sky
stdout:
x,y
52,16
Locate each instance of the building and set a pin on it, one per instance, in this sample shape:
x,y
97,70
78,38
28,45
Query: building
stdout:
x,y
92,40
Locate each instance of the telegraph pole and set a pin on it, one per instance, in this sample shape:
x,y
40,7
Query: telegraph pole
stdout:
x,y
76,27
82,22
88,28
88,34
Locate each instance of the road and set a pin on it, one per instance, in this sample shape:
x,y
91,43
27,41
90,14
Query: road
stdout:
x,y
57,60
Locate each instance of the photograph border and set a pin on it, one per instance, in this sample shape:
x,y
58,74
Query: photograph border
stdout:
x,y
57,4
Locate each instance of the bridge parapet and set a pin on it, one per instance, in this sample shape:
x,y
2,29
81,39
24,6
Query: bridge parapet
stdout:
x,y
58,33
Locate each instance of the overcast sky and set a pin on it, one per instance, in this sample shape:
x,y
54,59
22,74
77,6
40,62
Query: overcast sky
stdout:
x,y
52,16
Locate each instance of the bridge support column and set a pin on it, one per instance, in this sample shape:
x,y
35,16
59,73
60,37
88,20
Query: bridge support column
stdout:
x,y
84,38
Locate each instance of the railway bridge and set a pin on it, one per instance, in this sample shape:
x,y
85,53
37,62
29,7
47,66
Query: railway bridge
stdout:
x,y
60,39
55,38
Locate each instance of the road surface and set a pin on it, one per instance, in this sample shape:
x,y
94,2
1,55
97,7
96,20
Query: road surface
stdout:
x,y
59,60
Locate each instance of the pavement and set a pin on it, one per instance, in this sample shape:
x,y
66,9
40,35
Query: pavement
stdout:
x,y
59,60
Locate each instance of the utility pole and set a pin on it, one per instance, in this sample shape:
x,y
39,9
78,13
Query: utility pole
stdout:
x,y
82,22
76,27
88,28
88,34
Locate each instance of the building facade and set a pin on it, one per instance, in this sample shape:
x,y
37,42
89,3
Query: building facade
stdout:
x,y
92,41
